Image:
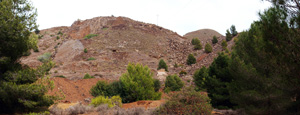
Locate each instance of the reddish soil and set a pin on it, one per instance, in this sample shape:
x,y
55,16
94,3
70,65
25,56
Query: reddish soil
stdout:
x,y
74,91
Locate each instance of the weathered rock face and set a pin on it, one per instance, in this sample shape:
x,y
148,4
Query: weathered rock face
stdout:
x,y
68,51
119,41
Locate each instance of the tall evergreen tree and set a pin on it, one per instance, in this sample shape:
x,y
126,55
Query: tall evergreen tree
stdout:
x,y
191,59
265,65
233,31
21,88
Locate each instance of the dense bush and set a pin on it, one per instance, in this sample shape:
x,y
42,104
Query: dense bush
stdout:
x,y
85,50
162,64
208,48
191,59
200,78
101,88
156,85
195,41
88,76
136,84
215,40
186,102
174,83
198,46
111,102
45,57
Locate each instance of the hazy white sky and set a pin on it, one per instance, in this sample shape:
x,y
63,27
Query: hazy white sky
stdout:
x,y
181,16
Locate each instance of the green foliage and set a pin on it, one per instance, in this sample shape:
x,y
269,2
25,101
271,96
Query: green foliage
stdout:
x,y
85,50
156,85
208,48
45,57
174,83
195,41
40,113
186,102
61,76
137,84
91,58
200,78
24,89
90,36
264,64
40,36
224,45
176,65
198,46
88,76
37,31
191,59
57,37
162,64
111,102
101,88
228,35
215,40
233,31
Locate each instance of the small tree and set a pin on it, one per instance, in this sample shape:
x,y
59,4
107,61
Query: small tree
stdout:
x,y
233,31
208,48
174,83
162,64
228,35
214,40
156,85
88,76
137,84
224,45
100,89
191,59
198,46
195,41
200,78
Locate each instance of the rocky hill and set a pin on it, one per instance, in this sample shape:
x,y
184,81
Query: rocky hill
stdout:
x,y
113,42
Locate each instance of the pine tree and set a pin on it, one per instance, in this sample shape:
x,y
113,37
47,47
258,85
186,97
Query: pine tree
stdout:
x,y
162,64
214,40
224,45
195,41
191,59
228,35
208,48
198,46
233,31
21,88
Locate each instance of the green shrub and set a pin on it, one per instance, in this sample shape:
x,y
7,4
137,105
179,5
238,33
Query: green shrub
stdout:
x,y
101,88
61,76
186,102
59,33
111,102
36,50
90,36
198,46
200,78
156,85
88,76
45,57
162,64
91,58
40,36
208,48
85,50
57,37
224,45
191,59
214,40
176,65
174,83
195,41
137,84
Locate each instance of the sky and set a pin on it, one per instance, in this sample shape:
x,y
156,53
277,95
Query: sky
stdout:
x,y
181,16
